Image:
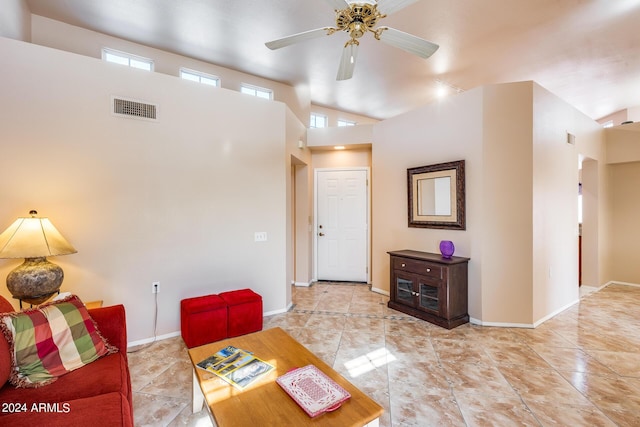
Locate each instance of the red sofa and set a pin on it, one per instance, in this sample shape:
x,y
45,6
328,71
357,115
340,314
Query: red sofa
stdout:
x,y
96,394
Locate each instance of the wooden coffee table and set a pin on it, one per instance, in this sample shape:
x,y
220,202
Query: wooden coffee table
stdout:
x,y
263,402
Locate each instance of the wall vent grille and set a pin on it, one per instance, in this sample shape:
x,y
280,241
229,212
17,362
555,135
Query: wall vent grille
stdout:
x,y
134,109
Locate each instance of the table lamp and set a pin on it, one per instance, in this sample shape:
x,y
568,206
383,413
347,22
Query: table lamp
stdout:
x,y
34,239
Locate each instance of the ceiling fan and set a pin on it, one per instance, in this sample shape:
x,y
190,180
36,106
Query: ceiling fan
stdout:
x,y
357,17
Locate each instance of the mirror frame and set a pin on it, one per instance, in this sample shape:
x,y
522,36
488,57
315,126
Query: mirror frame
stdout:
x,y
456,221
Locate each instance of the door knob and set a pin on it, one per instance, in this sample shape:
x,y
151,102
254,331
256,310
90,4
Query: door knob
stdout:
x,y
320,234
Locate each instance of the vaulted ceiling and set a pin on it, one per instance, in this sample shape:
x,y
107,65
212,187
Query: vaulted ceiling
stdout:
x,y
587,52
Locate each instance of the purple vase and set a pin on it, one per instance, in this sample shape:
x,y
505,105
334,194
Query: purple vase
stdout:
x,y
447,248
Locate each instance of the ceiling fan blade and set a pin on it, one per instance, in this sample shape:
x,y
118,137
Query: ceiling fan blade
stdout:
x,y
295,38
348,61
408,42
387,7
338,4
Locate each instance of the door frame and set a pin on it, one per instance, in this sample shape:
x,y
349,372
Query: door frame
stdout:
x,y
315,215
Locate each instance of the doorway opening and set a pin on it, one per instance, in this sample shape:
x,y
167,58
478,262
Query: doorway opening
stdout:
x,y
300,233
341,224
588,265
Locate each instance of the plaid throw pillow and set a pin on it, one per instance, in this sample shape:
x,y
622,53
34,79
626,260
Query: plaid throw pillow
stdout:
x,y
51,340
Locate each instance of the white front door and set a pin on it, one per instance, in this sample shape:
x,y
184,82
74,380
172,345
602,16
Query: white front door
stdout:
x,y
342,224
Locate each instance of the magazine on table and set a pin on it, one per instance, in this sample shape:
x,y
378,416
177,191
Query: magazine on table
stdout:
x,y
236,366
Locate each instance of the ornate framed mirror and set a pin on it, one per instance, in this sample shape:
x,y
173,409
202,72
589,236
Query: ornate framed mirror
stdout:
x,y
437,196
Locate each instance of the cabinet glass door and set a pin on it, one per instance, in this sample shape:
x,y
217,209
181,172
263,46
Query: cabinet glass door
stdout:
x,y
428,298
404,291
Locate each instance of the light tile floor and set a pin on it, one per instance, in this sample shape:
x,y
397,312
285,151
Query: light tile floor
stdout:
x,y
581,368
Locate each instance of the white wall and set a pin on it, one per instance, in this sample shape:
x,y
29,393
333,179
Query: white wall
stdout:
x,y
597,207
623,143
298,204
15,20
505,217
84,168
333,116
358,136
625,253
633,113
521,196
446,131
342,158
177,201
623,158
56,34
555,193
590,219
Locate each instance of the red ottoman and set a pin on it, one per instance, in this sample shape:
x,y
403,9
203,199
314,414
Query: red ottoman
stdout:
x,y
244,311
203,320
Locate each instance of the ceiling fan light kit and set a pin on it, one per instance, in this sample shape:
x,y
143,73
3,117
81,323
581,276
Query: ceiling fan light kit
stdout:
x,y
358,18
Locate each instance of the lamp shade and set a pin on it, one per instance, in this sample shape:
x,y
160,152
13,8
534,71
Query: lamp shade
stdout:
x,y
33,238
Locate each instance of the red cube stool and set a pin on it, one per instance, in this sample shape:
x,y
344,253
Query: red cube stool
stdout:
x,y
203,320
244,311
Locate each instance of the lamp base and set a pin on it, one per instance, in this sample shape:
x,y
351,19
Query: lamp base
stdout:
x,y
35,280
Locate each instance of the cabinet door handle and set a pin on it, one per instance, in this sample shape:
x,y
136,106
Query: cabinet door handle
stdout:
x,y
403,265
428,270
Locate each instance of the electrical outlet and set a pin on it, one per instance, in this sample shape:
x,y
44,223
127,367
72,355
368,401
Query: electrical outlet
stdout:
x,y
260,236
155,287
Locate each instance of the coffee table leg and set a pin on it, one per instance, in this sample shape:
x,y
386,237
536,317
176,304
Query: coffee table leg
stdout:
x,y
196,393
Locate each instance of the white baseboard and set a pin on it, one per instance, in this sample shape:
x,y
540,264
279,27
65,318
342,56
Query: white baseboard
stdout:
x,y
178,333
522,325
472,320
615,282
302,284
475,321
158,338
379,291
547,317
279,311
555,313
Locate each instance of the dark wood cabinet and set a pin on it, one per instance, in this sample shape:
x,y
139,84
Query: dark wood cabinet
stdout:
x,y
430,287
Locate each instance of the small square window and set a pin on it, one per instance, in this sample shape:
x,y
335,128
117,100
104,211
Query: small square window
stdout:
x,y
346,123
318,121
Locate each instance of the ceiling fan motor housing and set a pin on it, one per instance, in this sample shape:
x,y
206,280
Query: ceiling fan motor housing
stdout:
x,y
358,19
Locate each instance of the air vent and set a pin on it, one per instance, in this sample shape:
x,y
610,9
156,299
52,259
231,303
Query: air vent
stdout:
x,y
134,109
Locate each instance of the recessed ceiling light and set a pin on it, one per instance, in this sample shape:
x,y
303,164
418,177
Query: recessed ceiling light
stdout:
x,y
339,147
